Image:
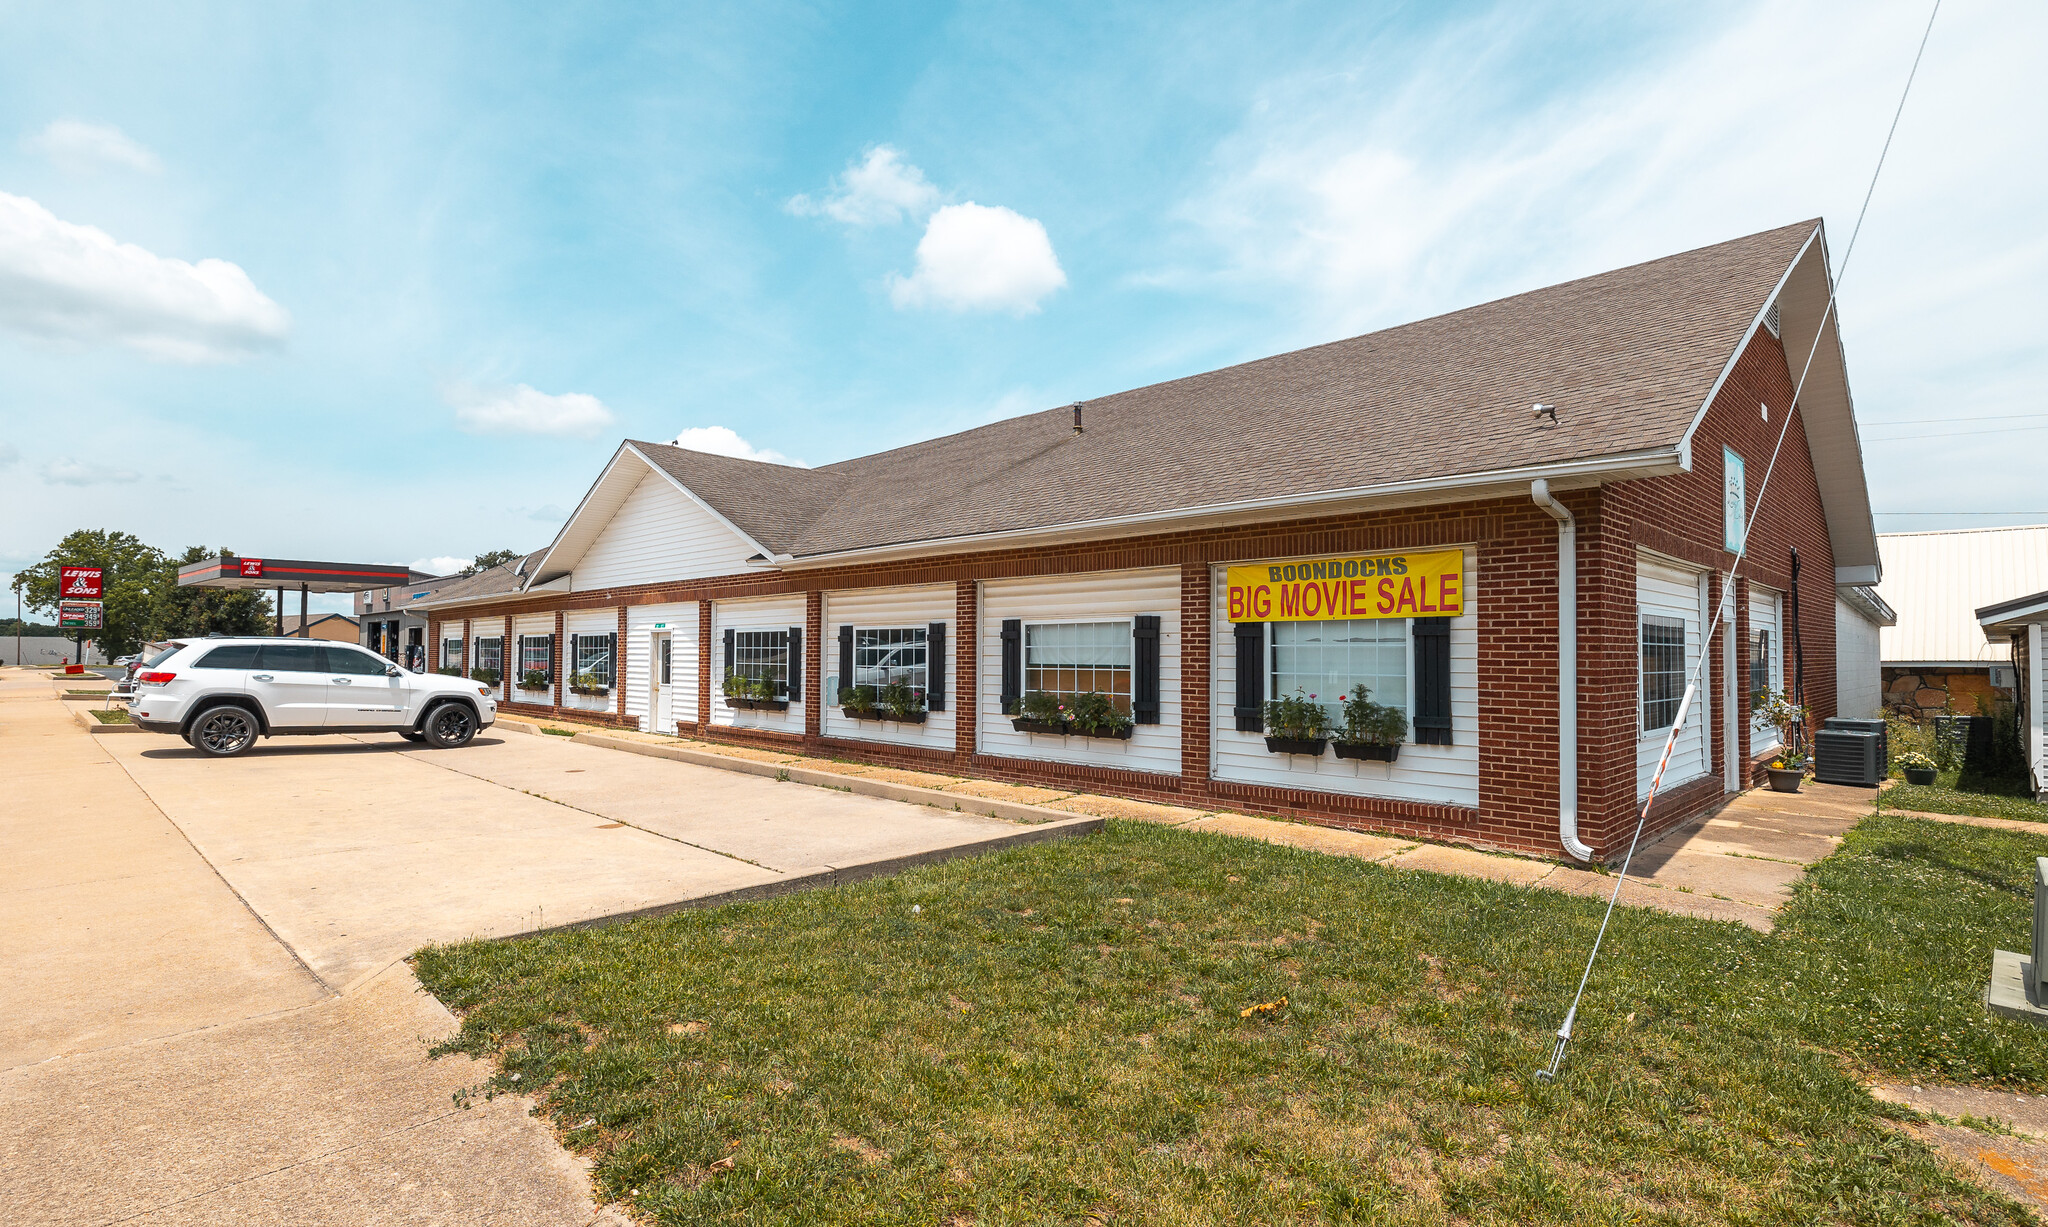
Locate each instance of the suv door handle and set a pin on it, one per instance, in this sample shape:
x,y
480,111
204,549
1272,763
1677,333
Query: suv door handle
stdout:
x,y
339,681
262,677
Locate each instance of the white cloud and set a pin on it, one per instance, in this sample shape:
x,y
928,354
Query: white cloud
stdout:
x,y
881,188
75,144
440,566
9,455
522,410
69,472
1389,182
69,283
724,441
980,258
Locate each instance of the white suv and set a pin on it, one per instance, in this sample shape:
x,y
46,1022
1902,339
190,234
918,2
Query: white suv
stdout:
x,y
222,694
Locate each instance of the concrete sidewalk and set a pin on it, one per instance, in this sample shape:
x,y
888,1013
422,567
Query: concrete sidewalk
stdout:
x,y
1738,863
168,1061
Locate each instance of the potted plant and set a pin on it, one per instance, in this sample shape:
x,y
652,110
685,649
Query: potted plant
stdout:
x,y
534,679
588,683
1919,768
859,703
1372,731
900,703
488,677
1297,725
752,694
1041,713
1788,767
1093,715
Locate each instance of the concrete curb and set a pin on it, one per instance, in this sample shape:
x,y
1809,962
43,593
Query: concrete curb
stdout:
x,y
85,718
833,875
1012,811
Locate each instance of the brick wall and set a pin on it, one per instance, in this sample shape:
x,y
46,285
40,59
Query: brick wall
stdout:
x,y
1515,549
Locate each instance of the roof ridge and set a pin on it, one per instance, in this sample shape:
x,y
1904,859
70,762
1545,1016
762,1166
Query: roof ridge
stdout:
x,y
1955,532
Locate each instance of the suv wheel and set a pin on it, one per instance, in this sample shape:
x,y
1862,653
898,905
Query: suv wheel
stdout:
x,y
224,731
449,725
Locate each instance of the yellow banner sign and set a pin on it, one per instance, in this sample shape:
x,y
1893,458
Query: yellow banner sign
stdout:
x,y
1380,586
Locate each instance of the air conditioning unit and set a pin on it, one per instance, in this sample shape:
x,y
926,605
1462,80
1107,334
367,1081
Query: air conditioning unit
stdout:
x,y
1843,757
1857,724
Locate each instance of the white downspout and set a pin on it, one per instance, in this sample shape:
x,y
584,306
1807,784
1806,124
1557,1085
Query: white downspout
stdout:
x,y
1567,670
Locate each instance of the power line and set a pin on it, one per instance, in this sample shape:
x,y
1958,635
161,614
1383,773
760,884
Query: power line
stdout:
x,y
1958,434
1564,1030
1996,417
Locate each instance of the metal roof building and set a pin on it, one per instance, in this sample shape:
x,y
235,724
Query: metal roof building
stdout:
x,y
1937,581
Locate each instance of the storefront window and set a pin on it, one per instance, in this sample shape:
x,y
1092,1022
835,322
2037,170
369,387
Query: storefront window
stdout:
x,y
885,656
762,656
593,659
1079,658
1759,661
490,653
533,654
1327,659
451,653
1663,670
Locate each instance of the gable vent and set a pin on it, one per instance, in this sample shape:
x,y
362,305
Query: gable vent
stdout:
x,y
1771,318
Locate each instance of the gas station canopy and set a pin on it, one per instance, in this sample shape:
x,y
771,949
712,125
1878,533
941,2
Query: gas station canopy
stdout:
x,y
286,573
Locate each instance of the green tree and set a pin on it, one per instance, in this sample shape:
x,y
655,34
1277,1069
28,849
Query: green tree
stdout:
x,y
488,559
130,570
183,612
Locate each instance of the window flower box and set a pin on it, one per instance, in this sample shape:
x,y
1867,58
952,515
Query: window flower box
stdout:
x,y
1053,728
1116,734
597,692
1311,746
531,688
1368,751
864,713
752,704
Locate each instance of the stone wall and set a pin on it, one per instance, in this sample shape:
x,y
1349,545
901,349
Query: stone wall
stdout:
x,y
1934,692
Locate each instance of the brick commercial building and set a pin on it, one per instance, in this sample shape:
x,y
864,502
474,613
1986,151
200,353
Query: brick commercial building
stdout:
x,y
1385,511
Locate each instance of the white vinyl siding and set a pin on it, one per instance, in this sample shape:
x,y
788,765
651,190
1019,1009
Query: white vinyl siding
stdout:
x,y
1764,605
638,650
531,624
657,534
1108,596
1859,671
584,622
882,608
768,614
1444,775
1671,592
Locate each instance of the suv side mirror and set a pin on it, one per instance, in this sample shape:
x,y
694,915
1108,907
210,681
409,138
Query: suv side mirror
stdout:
x,y
391,671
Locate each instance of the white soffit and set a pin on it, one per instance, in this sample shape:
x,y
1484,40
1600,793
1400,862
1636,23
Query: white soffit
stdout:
x,y
1829,411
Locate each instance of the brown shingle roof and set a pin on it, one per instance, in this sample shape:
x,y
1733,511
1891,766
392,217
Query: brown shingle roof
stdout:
x,y
1628,356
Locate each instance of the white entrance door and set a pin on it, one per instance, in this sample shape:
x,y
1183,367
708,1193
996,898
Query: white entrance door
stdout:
x,y
660,717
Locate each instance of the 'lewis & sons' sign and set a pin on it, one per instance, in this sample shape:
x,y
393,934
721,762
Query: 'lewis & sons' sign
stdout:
x,y
1379,586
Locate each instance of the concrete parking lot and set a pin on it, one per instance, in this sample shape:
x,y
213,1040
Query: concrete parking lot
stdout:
x,y
202,961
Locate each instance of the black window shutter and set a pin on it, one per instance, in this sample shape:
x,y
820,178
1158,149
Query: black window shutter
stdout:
x,y
1432,681
728,649
1013,664
845,662
1145,680
935,667
1250,709
796,663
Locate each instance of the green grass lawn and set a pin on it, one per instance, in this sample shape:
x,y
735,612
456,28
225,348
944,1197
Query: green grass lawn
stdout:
x,y
112,715
1058,1034
1944,797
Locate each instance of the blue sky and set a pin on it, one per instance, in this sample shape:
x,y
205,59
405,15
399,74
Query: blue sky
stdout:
x,y
456,254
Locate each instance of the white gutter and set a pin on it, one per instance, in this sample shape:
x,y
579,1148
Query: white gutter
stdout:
x,y
1567,670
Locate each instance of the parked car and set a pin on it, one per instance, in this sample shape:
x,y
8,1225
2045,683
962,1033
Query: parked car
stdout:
x,y
222,694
